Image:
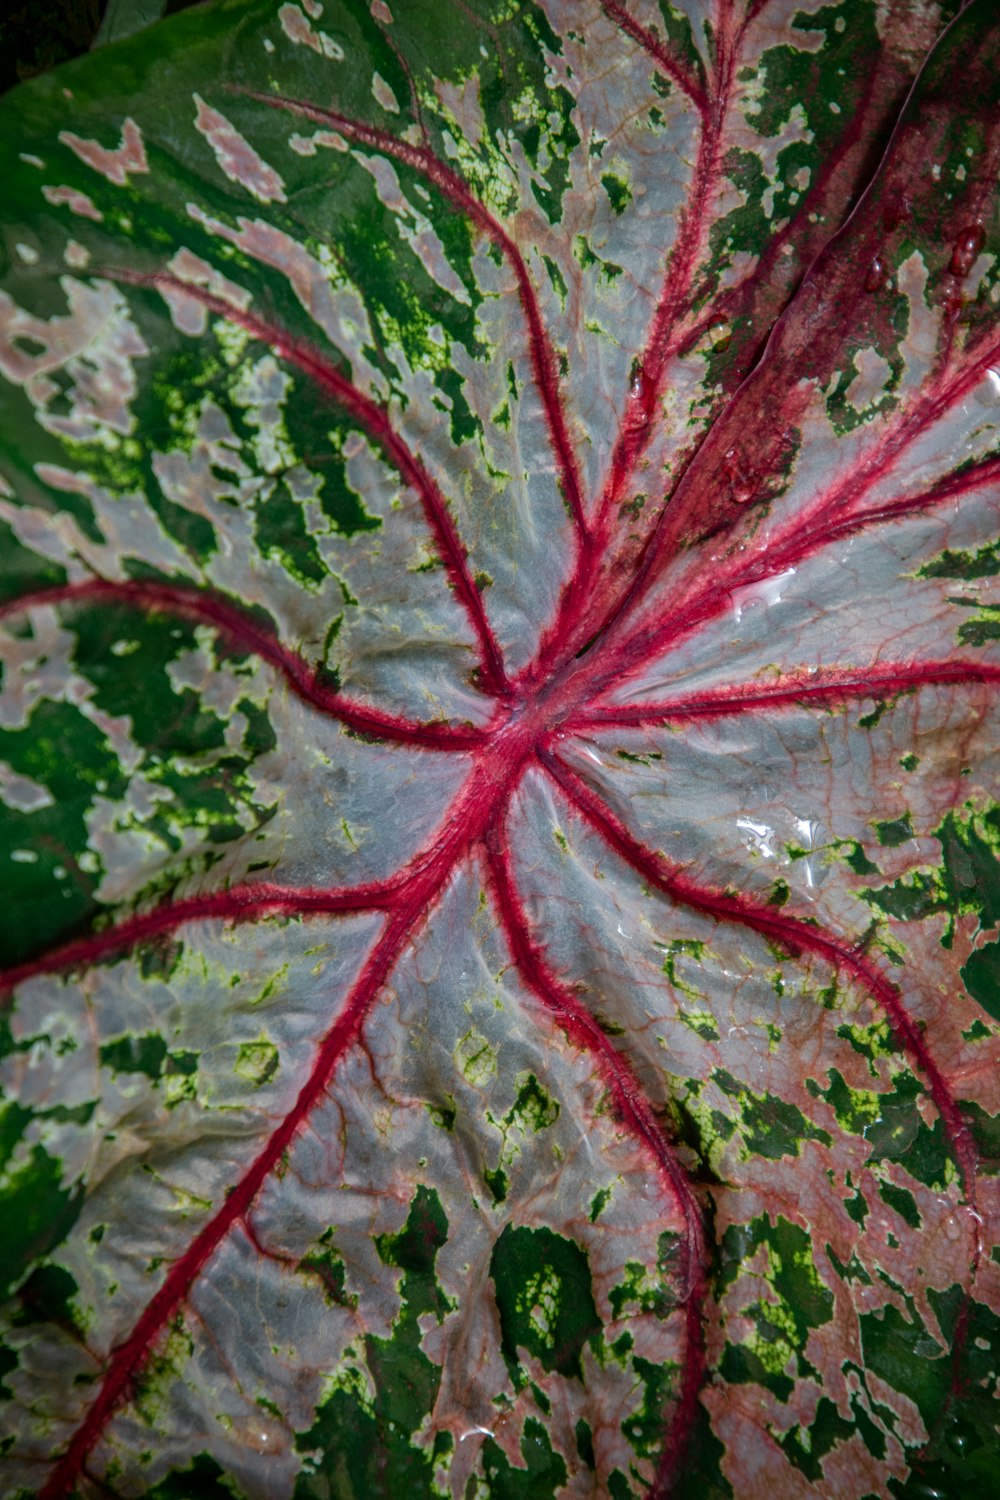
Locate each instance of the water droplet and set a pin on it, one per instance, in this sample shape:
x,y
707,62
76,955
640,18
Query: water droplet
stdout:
x,y
953,1227
987,392
766,591
758,837
638,397
966,248
876,277
740,481
809,831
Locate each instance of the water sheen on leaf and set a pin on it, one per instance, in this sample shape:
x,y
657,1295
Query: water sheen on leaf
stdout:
x,y
500,636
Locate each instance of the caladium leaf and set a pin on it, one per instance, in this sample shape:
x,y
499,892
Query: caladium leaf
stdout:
x,y
498,753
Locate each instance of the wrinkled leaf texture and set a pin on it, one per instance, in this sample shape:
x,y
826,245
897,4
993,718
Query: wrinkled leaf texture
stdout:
x,y
497,753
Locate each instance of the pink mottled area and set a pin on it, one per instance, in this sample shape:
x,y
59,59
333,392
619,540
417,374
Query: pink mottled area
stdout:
x,y
236,157
116,163
75,201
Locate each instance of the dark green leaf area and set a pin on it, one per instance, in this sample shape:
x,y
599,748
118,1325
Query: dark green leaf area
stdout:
x,y
894,832
810,77
967,881
327,1267
702,1475
362,1442
24,570
128,658
903,1201
638,1293
903,1353
47,1297
807,1447
545,1300
126,655
983,563
858,860
356,1449
69,761
959,1463
203,1479
404,309
981,977
36,1210
645,1426
542,1476
147,1055
496,1181
771,1127
317,433
585,1443
533,1110
281,534
8,1362
679,32
514,70
807,79
701,1128
891,1125
985,1129
981,630
795,1302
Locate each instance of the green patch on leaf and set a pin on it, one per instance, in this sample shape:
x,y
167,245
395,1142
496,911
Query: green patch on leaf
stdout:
x,y
902,1352
543,1473
903,1201
981,977
895,832
257,1062
364,1438
807,1446
136,1054
36,1210
794,1301
618,191
640,1291
771,1127
545,1300
201,1479
327,1267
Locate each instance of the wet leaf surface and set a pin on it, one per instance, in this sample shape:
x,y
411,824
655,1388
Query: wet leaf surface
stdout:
x,y
499,626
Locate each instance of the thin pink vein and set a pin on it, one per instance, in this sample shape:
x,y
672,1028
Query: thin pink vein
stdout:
x,y
544,363
639,420
407,900
659,51
131,1356
210,608
634,1111
249,902
804,537
376,421
791,933
827,689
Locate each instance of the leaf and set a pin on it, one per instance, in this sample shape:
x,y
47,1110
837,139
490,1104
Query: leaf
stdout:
x,y
124,17
497,753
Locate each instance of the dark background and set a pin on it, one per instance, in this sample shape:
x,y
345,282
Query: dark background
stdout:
x,y
36,35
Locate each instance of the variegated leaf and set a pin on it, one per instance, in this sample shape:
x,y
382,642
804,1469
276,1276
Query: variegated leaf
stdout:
x,y
498,753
